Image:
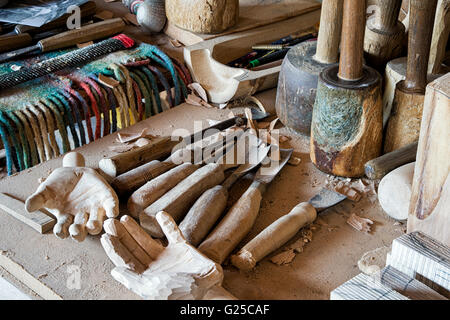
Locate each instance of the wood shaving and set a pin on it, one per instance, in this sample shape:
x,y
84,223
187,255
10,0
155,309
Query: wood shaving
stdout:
x,y
283,258
294,161
130,137
175,43
197,101
198,90
360,224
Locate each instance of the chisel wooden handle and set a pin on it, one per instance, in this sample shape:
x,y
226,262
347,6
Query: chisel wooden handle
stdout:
x,y
123,162
329,32
381,166
87,33
204,214
11,42
132,180
86,10
178,200
157,187
420,32
236,224
274,236
352,40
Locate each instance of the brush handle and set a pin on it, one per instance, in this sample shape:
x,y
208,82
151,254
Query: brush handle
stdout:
x,y
420,32
329,31
352,41
87,33
274,236
86,10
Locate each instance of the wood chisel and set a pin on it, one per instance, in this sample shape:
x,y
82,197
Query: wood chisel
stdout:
x,y
283,229
70,38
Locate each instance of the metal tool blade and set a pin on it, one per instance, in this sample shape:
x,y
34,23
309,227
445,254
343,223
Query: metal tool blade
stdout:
x,y
268,171
19,52
326,199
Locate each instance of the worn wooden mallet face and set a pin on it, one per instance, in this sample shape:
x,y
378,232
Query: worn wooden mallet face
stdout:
x,y
346,128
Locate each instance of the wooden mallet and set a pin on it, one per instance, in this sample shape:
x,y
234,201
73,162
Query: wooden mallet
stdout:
x,y
383,40
396,68
346,129
301,67
404,125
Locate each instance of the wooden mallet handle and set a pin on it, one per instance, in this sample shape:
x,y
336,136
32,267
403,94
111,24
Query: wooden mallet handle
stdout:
x,y
420,31
329,31
352,40
386,17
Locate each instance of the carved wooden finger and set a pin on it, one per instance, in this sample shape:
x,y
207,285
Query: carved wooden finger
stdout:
x,y
119,254
177,201
115,228
61,228
95,222
152,247
169,228
78,229
157,187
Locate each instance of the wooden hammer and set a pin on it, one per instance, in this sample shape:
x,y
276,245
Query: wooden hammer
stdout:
x,y
404,125
346,128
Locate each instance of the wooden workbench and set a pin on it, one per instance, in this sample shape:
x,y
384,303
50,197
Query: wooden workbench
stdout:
x,y
46,264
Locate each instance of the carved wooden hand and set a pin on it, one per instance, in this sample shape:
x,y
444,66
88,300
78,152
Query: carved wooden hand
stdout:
x,y
176,272
79,198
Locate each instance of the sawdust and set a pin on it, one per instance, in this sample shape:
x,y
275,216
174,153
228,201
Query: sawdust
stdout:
x,y
283,258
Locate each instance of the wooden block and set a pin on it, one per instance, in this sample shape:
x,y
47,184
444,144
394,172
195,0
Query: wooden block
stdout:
x,y
38,220
408,286
364,287
430,197
423,258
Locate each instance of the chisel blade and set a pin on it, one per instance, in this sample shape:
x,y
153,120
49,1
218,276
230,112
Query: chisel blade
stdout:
x,y
326,199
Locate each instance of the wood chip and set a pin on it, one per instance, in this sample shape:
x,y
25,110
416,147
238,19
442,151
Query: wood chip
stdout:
x,y
198,90
175,43
283,258
294,161
84,44
360,224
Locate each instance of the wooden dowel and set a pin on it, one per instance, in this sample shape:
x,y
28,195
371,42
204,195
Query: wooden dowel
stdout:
x,y
329,32
352,40
420,31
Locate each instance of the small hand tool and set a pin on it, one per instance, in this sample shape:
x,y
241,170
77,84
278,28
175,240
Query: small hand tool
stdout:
x,y
283,229
70,38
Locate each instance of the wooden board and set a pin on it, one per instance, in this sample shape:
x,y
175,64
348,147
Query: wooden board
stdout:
x,y
430,198
422,258
38,220
252,14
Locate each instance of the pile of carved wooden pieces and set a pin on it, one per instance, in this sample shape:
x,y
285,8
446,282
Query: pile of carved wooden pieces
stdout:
x,y
417,268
